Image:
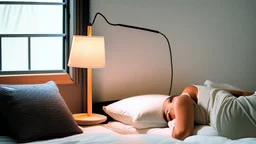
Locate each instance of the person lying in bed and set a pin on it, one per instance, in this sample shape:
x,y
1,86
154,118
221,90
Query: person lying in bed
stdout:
x,y
231,113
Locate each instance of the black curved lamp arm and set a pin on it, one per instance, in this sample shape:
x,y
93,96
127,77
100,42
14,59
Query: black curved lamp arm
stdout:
x,y
144,29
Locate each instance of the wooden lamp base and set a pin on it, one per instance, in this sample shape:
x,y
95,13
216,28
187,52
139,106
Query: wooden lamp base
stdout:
x,y
85,119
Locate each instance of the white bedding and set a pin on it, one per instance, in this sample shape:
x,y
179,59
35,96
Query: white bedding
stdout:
x,y
121,128
102,134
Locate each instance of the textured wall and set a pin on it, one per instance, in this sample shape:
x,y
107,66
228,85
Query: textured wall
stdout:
x,y
210,39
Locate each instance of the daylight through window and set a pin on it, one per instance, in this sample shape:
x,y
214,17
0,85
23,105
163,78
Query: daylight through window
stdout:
x,y
32,36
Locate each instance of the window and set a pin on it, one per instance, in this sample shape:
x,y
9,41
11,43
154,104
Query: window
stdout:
x,y
33,36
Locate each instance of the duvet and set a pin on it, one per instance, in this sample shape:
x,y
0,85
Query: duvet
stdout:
x,y
113,138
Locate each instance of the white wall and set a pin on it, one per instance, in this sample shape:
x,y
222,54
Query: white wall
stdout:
x,y
210,39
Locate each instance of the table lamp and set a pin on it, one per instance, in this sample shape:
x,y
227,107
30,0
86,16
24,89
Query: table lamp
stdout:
x,y
88,52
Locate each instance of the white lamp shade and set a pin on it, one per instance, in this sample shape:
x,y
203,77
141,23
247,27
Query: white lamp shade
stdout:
x,y
87,52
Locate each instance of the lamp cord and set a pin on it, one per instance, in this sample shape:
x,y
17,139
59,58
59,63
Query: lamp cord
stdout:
x,y
145,29
171,63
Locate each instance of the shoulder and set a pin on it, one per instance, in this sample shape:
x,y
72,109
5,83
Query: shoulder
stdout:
x,y
184,101
192,90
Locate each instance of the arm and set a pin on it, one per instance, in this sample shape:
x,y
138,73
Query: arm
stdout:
x,y
184,115
239,93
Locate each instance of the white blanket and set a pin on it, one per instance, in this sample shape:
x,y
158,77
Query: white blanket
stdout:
x,y
103,138
101,135
112,138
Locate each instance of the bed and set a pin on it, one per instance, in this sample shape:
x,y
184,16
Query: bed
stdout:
x,y
117,133
37,114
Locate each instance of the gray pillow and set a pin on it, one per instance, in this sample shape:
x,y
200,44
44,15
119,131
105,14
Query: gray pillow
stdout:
x,y
36,112
3,126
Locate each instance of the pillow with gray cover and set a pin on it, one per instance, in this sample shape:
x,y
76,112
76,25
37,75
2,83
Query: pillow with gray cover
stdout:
x,y
3,126
36,112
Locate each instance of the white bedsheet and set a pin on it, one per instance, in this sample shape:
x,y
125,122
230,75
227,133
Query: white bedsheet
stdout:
x,y
121,128
100,134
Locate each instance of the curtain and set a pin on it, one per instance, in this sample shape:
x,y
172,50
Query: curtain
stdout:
x,y
82,18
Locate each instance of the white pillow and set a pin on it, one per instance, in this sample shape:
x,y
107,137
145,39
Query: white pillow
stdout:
x,y
212,84
143,111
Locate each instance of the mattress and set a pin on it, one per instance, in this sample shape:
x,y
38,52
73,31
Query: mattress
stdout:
x,y
106,134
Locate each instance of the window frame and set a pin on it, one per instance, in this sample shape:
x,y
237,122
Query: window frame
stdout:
x,y
35,77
